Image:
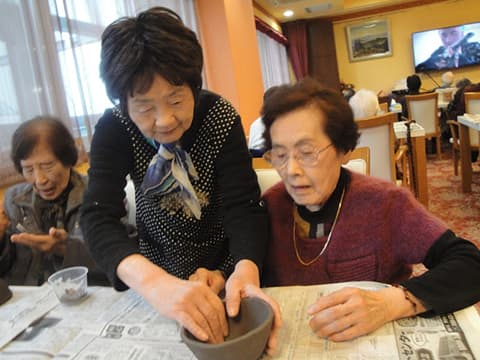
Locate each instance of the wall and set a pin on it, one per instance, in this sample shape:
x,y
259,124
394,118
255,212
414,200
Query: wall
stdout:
x,y
266,17
232,63
381,74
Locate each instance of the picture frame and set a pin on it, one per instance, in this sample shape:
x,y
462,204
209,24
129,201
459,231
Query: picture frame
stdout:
x,y
369,40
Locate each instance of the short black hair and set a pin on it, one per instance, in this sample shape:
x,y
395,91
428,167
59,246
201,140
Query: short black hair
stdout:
x,y
414,83
339,125
43,128
156,42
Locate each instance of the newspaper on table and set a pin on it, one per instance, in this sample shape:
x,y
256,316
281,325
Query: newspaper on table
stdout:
x,y
472,117
22,310
106,324
121,325
400,129
453,336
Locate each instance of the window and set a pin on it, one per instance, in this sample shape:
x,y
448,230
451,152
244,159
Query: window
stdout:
x,y
49,62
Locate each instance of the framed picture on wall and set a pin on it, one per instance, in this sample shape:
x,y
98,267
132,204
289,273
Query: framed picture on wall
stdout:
x,y
368,40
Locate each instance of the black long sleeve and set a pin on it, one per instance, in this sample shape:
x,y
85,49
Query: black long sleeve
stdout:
x,y
103,206
245,218
452,282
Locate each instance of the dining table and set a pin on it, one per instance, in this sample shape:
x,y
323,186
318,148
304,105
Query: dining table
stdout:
x,y
107,324
467,122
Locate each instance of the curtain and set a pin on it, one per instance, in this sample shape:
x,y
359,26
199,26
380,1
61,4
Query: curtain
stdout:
x,y
49,62
273,61
273,55
296,33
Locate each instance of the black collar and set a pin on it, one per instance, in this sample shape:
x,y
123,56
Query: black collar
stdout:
x,y
329,209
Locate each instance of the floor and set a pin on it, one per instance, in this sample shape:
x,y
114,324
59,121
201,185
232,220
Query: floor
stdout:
x,y
459,210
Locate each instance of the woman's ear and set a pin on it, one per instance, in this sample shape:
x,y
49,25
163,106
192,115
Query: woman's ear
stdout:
x,y
345,156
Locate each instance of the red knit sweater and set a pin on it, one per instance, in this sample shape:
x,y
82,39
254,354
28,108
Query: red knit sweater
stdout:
x,y
380,231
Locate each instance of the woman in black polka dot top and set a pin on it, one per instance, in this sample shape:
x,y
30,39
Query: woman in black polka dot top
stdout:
x,y
200,224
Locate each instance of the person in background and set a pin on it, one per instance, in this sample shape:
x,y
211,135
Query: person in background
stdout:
x,y
201,225
457,106
332,225
413,88
347,90
455,51
364,104
39,224
447,80
256,142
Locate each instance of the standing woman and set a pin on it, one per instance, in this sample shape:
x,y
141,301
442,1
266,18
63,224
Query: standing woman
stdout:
x,y
201,226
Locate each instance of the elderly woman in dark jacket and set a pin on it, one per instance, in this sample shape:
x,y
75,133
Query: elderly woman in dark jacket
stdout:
x,y
39,225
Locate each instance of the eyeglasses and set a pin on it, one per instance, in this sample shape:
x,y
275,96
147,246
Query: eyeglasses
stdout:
x,y
306,155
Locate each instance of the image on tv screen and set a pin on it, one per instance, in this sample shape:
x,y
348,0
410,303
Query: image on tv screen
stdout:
x,y
446,48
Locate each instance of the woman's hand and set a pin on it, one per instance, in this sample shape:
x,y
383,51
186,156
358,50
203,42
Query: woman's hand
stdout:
x,y
193,304
351,312
244,282
212,278
54,242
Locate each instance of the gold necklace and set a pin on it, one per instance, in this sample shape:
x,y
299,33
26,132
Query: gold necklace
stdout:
x,y
307,263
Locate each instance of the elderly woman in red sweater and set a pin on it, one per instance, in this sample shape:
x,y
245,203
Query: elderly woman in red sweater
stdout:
x,y
332,225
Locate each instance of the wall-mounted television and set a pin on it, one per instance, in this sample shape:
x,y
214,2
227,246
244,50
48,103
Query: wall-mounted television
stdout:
x,y
446,48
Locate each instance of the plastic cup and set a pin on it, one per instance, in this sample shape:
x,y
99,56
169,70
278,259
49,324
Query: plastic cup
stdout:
x,y
69,284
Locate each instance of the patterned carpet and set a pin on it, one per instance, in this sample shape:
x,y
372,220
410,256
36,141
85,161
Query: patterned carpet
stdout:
x,y
459,210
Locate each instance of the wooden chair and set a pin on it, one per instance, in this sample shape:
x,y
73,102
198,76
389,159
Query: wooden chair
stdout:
x,y
472,102
423,109
383,106
445,95
377,134
267,176
260,163
455,141
472,106
359,160
402,160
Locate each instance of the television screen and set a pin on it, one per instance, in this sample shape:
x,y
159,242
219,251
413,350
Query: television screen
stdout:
x,y
446,48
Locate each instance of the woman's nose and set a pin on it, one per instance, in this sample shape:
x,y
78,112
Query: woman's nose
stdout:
x,y
40,177
164,119
292,166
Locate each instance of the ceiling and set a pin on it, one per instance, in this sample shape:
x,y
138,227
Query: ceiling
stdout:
x,y
307,9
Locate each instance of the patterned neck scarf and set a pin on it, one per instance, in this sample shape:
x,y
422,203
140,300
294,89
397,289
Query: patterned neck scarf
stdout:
x,y
168,176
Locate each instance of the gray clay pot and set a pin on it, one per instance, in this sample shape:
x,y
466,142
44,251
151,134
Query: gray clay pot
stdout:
x,y
247,338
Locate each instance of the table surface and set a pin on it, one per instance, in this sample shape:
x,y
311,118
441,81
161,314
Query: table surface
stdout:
x,y
472,121
467,121
119,325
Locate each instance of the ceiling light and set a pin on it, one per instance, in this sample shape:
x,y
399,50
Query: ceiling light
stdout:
x,y
288,13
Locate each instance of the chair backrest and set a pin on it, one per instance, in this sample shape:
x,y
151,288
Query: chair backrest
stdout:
x,y
383,106
260,163
423,109
472,102
359,160
472,106
267,178
445,95
376,133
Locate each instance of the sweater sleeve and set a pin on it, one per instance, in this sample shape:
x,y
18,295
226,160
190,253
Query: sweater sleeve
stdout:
x,y
452,281
245,217
110,161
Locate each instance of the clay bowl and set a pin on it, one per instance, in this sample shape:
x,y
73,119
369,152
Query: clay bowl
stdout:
x,y
247,338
